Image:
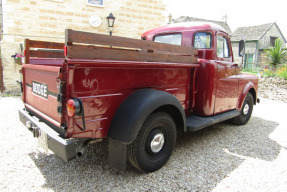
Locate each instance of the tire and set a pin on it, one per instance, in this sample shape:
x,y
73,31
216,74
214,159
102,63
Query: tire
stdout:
x,y
154,143
246,111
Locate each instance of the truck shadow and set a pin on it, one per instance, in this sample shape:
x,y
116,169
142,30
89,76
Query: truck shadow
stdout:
x,y
200,161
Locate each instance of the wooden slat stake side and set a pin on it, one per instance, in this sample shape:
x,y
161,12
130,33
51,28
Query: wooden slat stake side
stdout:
x,y
93,52
84,45
27,51
58,51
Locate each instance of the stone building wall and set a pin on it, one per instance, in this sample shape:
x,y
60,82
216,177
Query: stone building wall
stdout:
x,y
47,19
1,24
264,42
1,21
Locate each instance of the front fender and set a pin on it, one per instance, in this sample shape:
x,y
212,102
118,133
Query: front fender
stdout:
x,y
248,87
132,113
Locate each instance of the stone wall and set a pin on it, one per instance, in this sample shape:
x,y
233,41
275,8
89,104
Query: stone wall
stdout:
x,y
47,19
273,88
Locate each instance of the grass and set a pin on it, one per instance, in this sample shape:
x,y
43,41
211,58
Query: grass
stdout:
x,y
250,71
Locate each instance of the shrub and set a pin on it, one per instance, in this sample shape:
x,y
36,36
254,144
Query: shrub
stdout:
x,y
268,73
282,72
276,54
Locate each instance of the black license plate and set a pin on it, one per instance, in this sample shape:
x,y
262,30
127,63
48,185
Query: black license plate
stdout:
x,y
40,89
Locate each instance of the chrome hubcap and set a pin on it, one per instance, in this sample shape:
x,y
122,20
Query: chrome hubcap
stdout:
x,y
157,143
246,109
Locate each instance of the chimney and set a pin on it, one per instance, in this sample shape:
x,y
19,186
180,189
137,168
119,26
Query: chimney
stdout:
x,y
170,19
224,19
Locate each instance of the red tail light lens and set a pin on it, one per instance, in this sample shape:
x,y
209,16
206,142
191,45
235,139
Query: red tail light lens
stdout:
x,y
73,107
65,51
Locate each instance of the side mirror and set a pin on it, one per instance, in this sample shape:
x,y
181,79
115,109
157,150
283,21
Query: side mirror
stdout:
x,y
241,48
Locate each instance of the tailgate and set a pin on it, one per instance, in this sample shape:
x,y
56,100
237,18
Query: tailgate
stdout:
x,y
41,89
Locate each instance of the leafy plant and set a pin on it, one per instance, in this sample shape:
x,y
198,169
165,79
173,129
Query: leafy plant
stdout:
x,y
276,54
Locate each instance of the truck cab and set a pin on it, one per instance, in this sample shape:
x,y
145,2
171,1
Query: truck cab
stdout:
x,y
220,86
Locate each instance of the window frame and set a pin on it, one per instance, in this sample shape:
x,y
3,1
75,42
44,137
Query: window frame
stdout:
x,y
207,32
101,4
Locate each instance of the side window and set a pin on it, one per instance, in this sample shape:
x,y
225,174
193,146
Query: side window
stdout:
x,y
174,39
222,47
202,40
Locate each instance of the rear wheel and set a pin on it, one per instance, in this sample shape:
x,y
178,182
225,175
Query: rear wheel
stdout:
x,y
154,143
245,112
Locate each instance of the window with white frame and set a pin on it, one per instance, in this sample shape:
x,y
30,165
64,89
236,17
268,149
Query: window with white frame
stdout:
x,y
97,3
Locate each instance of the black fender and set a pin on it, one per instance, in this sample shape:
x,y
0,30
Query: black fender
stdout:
x,y
134,110
130,116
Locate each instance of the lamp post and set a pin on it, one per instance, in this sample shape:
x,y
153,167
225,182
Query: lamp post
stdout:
x,y
111,21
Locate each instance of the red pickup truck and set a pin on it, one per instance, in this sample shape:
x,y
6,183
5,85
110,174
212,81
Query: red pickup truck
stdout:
x,y
135,93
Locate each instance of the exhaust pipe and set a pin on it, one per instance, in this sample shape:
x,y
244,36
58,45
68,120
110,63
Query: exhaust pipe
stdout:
x,y
85,145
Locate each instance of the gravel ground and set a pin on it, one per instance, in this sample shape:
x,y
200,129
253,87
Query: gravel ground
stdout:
x,y
222,157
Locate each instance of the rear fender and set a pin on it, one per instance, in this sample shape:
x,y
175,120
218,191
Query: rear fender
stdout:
x,y
135,109
129,118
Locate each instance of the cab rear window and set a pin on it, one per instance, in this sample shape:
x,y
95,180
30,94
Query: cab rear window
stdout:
x,y
174,39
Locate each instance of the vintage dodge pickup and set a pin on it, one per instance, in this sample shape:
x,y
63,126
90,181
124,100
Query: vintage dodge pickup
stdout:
x,y
135,93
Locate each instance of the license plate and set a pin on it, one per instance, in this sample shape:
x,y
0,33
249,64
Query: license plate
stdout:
x,y
43,140
40,89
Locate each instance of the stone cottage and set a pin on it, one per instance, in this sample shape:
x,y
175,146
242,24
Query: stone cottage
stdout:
x,y
46,20
257,38
194,19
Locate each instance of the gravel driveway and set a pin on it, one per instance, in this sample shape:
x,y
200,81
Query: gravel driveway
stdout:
x,y
222,157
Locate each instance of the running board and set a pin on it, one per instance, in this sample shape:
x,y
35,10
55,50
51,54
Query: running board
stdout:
x,y
195,123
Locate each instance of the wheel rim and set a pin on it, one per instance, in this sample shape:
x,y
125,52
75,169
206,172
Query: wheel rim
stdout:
x,y
157,143
246,109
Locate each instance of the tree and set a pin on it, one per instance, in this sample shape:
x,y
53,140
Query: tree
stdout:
x,y
276,54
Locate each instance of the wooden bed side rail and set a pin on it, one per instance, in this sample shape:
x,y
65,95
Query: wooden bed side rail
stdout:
x,y
85,45
43,49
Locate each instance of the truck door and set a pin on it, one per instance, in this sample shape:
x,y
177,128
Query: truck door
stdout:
x,y
226,77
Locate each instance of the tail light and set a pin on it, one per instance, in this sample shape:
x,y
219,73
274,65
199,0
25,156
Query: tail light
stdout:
x,y
66,51
74,107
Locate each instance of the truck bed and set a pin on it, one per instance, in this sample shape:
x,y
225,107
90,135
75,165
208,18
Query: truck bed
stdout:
x,y
102,71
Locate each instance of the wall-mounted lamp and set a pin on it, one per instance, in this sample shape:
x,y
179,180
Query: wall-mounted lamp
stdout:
x,y
111,21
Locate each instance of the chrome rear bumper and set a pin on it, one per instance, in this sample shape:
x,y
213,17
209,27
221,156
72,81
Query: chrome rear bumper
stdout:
x,y
66,149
